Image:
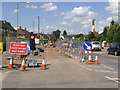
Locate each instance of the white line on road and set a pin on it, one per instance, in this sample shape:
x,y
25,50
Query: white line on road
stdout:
x,y
107,67
105,71
112,79
86,68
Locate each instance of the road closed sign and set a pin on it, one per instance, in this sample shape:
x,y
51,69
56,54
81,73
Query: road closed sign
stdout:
x,y
18,48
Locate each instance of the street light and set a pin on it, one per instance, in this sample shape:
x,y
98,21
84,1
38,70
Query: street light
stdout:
x,y
33,24
18,13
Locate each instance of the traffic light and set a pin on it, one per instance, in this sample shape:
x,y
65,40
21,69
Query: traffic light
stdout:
x,y
32,42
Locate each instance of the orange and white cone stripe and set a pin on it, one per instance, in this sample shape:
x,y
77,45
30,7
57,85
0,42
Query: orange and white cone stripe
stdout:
x,y
89,60
73,51
69,50
96,59
23,65
11,63
43,63
66,49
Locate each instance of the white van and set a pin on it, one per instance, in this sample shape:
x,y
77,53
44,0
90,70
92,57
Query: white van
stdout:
x,y
96,45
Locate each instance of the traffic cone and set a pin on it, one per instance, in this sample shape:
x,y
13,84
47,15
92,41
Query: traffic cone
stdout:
x,y
43,64
96,59
66,49
11,63
73,51
23,65
69,50
89,60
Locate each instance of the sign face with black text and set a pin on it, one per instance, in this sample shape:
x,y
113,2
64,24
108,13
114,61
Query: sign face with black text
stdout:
x,y
18,48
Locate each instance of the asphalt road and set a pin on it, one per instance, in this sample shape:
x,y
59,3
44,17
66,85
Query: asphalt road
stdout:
x,y
65,72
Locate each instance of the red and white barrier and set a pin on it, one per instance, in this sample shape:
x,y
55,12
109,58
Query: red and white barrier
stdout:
x,y
87,51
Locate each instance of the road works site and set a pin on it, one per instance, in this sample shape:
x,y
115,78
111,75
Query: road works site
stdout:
x,y
63,70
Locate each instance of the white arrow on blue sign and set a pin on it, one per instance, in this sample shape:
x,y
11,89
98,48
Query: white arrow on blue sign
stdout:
x,y
87,46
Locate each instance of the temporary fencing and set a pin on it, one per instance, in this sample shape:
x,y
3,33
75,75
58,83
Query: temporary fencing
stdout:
x,y
67,46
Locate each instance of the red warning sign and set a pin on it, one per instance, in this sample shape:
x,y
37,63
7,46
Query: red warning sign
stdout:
x,y
18,48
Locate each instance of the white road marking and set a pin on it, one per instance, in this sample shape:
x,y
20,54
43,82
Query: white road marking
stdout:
x,y
105,71
112,79
86,68
107,67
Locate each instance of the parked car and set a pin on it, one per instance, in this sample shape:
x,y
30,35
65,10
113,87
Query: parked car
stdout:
x,y
96,45
114,49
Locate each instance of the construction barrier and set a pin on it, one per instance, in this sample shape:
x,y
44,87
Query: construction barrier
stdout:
x,y
1,47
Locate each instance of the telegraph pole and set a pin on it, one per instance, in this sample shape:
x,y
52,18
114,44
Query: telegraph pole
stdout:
x,y
33,26
38,23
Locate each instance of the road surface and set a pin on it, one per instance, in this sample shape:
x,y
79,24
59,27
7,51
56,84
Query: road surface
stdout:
x,y
65,72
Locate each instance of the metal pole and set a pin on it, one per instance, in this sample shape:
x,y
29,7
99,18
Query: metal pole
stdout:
x,y
33,26
17,16
38,24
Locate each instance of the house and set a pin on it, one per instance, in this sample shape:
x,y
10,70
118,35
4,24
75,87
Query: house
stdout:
x,y
23,33
6,29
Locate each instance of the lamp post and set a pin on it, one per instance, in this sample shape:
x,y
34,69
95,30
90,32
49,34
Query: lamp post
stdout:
x,y
33,24
18,13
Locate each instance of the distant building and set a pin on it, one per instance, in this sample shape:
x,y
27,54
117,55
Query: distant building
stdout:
x,y
94,25
23,33
6,29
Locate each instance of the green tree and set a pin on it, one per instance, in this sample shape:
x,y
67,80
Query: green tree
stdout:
x,y
64,33
91,36
79,35
56,33
104,35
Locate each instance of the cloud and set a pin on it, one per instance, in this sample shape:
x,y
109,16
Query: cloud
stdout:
x,y
63,23
62,13
112,8
55,14
49,7
27,6
15,11
80,16
32,6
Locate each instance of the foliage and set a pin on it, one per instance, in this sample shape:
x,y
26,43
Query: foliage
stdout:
x,y
91,36
104,35
113,35
64,33
79,35
56,34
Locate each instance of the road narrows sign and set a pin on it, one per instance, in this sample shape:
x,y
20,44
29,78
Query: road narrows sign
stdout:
x,y
18,48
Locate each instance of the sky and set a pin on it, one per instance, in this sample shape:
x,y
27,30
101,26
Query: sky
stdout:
x,y
74,17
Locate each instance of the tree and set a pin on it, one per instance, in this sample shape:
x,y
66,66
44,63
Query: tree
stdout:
x,y
91,36
104,35
79,35
64,33
56,33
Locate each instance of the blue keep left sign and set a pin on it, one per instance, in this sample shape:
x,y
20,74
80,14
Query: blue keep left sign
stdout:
x,y
28,47
87,46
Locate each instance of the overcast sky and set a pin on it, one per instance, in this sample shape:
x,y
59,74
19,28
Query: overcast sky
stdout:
x,y
75,17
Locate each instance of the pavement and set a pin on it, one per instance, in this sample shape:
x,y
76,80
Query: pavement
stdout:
x,y
64,72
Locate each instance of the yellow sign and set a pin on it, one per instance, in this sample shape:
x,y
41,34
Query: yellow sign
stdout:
x,y
1,47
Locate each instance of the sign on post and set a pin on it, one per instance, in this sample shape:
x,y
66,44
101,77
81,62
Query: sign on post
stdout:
x,y
87,46
36,41
18,48
1,47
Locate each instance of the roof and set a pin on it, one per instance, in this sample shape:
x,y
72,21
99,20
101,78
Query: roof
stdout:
x,y
23,32
5,26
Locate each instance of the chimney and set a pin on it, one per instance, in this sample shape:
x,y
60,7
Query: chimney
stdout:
x,y
20,27
4,21
25,28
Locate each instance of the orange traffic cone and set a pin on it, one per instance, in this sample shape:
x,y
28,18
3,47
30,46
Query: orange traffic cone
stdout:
x,y
23,65
96,59
89,60
73,51
43,64
11,63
